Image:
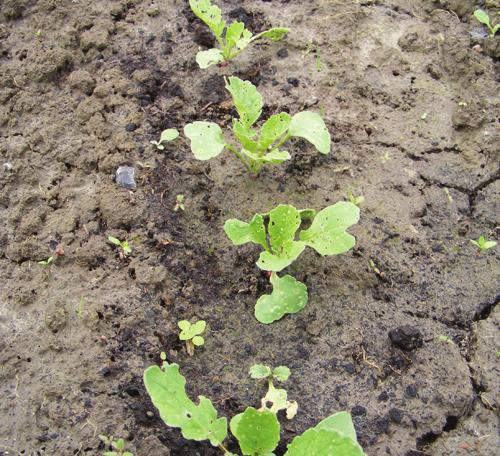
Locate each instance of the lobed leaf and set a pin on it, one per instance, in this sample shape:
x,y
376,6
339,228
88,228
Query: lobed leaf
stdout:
x,y
206,139
288,296
258,432
274,128
210,14
198,327
210,57
284,220
275,33
197,422
241,232
323,442
327,233
247,100
310,126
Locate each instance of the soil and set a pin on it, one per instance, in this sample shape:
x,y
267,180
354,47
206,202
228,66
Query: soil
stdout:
x,y
402,331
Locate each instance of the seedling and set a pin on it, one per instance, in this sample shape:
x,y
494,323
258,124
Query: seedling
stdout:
x,y
118,446
257,148
123,245
257,431
483,18
179,203
357,200
275,398
191,333
236,37
275,232
166,135
46,263
483,244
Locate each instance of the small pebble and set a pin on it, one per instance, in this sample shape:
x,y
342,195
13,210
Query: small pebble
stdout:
x,y
125,176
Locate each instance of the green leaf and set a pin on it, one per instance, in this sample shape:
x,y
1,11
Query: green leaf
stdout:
x,y
126,247
277,397
323,442
290,250
210,14
275,156
258,432
340,422
184,325
210,57
284,220
281,373
240,232
169,134
489,244
274,34
115,241
307,214
199,327
247,100
310,126
119,444
482,17
244,41
206,139
198,341
273,128
233,34
245,136
168,394
259,371
495,29
288,296
327,233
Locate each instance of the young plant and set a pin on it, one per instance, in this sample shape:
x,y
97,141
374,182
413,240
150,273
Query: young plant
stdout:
x,y
118,446
275,398
483,244
256,148
275,232
257,431
483,18
123,245
232,39
166,135
179,203
46,263
191,333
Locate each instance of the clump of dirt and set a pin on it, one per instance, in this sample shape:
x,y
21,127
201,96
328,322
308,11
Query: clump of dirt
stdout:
x,y
400,331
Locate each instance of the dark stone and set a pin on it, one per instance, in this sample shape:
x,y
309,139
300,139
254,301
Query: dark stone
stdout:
x,y
411,391
350,368
383,396
293,81
406,338
131,127
381,425
358,410
282,53
396,415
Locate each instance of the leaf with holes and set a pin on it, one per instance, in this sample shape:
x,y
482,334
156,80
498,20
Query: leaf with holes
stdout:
x,y
288,296
327,233
206,139
241,232
257,432
274,128
310,126
197,422
209,57
288,252
247,100
210,14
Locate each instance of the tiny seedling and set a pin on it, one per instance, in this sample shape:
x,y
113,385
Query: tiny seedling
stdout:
x,y
275,232
191,333
256,430
117,445
123,245
256,148
46,263
276,399
179,203
357,200
235,39
483,18
166,135
483,244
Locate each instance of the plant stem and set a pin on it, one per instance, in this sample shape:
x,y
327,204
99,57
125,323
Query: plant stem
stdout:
x,y
283,139
248,166
223,448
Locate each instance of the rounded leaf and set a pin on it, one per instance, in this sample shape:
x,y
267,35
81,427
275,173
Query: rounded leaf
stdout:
x,y
198,341
206,139
184,325
340,422
288,296
198,327
281,373
323,443
169,134
482,17
310,126
259,371
210,57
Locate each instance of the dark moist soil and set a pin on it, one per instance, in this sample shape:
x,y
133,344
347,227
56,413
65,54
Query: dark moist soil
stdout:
x,y
402,331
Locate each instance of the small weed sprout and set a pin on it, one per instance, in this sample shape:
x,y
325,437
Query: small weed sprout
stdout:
x,y
256,148
483,244
275,232
275,398
256,430
46,263
118,446
482,17
123,246
179,203
357,200
191,334
235,39
166,135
